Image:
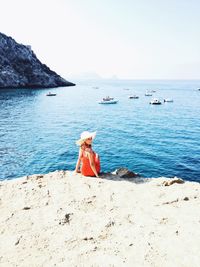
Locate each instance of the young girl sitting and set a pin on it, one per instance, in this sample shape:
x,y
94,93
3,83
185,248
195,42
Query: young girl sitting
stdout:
x,y
88,162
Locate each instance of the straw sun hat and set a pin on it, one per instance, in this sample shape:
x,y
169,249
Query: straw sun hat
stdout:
x,y
85,135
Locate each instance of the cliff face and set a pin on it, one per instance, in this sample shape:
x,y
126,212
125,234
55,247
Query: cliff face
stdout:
x,y
20,68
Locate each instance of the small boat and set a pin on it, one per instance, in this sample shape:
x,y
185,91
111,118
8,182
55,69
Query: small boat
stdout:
x,y
148,93
108,100
127,89
155,101
133,97
198,89
50,94
169,100
95,87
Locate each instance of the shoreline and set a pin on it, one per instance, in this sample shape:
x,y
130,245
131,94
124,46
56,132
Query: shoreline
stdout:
x,y
62,219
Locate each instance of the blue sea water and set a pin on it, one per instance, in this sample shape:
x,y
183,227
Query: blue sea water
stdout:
x,y
38,133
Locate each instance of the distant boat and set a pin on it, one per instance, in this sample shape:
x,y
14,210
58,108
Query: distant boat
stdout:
x,y
198,89
155,101
170,100
50,94
95,87
148,93
126,89
133,97
108,100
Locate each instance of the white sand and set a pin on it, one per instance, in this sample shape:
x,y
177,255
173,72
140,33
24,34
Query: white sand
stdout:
x,y
62,219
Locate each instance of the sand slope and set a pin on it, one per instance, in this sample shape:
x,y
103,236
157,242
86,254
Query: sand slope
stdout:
x,y
62,219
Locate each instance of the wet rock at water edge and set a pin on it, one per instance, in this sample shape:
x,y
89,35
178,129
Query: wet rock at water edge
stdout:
x,y
125,173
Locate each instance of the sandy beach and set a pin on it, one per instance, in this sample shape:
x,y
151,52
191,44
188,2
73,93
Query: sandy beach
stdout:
x,y
63,219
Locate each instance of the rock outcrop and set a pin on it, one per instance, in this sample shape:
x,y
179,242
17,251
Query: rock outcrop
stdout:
x,y
125,173
20,68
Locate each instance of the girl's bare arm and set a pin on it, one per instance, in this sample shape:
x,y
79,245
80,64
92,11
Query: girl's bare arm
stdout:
x,y
78,161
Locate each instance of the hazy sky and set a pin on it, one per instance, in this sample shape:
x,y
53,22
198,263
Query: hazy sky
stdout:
x,y
136,39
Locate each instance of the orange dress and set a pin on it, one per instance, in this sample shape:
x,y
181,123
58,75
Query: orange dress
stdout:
x,y
86,169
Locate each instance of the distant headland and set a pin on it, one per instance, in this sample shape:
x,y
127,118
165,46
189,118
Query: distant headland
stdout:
x,y
20,68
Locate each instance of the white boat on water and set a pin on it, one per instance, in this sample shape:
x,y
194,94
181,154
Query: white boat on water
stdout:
x,y
108,100
51,94
148,93
133,97
170,100
155,101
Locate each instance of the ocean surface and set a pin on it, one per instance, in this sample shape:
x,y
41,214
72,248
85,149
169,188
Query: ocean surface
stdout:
x,y
38,133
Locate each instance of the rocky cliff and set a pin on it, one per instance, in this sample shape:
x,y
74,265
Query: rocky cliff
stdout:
x,y
20,68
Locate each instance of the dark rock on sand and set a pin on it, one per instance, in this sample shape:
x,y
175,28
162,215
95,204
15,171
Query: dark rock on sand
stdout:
x,y
20,68
175,180
125,173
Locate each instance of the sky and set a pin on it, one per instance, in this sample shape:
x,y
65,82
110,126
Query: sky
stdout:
x,y
125,39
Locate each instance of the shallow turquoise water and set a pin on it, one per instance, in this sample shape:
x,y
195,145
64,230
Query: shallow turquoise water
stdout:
x,y
38,133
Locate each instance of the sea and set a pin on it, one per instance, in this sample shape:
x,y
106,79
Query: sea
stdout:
x,y
38,132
